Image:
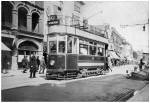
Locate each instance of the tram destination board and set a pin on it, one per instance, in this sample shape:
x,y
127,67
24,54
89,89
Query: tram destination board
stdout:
x,y
53,22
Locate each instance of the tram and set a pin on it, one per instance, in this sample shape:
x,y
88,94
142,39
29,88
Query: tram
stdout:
x,y
72,56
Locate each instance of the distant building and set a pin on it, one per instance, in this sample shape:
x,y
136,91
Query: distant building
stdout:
x,y
127,50
118,47
22,28
115,43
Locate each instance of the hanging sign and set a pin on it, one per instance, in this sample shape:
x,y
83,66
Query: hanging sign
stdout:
x,y
53,20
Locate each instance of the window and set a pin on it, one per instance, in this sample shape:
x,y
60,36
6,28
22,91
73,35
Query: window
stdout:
x,y
22,18
75,48
83,49
100,51
6,14
35,22
92,50
52,45
69,44
61,47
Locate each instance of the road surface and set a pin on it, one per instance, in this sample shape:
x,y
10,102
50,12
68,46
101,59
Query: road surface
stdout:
x,y
106,88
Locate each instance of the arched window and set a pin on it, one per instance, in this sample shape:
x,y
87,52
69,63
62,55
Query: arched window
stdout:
x,y
22,18
6,14
35,22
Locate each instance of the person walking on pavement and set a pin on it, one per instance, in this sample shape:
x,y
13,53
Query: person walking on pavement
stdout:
x,y
141,64
38,62
42,66
5,65
33,66
24,64
109,64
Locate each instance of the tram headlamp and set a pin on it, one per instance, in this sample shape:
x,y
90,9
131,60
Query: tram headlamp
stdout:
x,y
52,62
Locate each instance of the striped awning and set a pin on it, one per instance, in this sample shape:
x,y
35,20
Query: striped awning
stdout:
x,y
113,55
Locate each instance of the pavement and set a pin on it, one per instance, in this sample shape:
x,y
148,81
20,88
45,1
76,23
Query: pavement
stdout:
x,y
141,96
100,89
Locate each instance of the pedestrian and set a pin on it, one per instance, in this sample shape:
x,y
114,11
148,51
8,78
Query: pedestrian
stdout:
x,y
108,63
38,62
33,66
5,65
42,66
141,64
25,64
115,62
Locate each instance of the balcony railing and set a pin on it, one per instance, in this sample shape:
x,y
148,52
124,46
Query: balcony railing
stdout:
x,y
70,21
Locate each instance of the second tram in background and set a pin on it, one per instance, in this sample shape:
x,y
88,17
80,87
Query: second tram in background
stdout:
x,y
72,55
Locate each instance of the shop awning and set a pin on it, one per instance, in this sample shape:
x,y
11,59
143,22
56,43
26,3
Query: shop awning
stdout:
x,y
113,55
4,47
120,56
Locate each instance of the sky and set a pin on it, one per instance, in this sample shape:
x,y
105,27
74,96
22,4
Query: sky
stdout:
x,y
118,13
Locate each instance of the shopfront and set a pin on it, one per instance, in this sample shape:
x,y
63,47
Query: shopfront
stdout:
x,y
26,48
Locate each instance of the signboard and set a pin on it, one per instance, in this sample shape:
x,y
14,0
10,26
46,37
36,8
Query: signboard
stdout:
x,y
53,20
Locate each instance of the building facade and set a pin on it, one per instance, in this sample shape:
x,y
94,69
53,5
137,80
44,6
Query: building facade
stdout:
x,y
70,15
115,43
22,28
127,51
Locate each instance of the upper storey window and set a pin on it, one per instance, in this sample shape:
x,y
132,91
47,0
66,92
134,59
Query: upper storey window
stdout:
x,y
35,22
6,14
22,18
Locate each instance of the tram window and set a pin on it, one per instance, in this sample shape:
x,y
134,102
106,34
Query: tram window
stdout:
x,y
83,49
61,47
75,49
92,50
100,51
52,45
69,45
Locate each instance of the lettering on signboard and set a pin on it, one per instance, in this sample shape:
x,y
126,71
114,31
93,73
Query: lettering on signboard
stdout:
x,y
53,20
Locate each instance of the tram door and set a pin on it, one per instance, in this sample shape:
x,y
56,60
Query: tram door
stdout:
x,y
72,51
